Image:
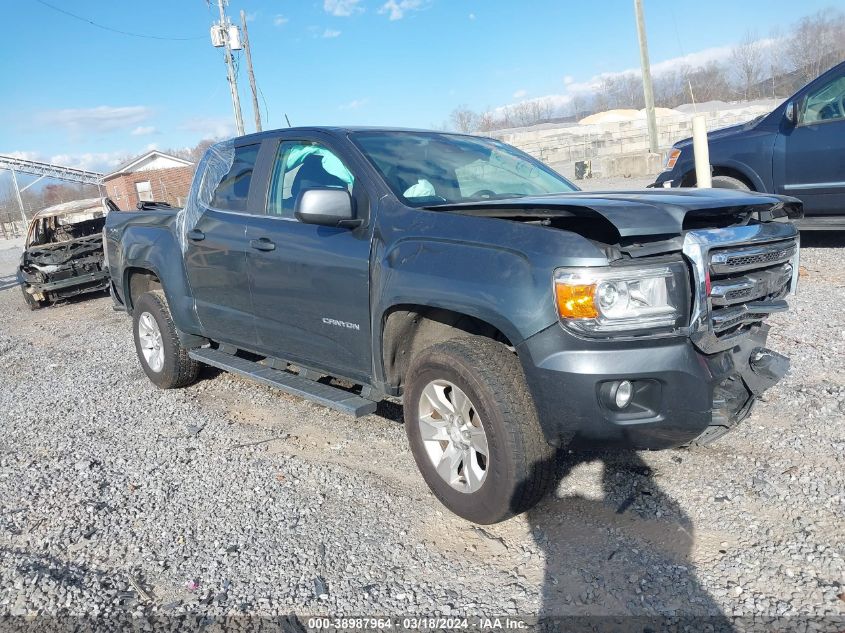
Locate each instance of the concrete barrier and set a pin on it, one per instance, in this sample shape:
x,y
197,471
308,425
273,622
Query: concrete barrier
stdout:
x,y
621,148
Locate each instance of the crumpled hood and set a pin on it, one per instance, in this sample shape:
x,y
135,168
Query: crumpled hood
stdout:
x,y
633,213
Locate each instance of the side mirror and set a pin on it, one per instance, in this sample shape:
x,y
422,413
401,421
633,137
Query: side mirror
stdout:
x,y
326,207
791,113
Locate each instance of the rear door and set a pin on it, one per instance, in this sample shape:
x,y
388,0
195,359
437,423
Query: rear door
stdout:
x,y
310,284
216,256
814,149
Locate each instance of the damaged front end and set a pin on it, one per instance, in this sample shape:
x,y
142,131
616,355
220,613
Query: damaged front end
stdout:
x,y
64,253
740,255
741,275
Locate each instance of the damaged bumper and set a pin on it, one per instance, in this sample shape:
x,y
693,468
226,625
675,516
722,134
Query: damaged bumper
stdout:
x,y
678,392
57,271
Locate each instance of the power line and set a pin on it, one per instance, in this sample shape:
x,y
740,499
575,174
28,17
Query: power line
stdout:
x,y
113,30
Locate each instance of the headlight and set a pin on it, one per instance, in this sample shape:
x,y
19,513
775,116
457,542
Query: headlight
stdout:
x,y
671,159
618,300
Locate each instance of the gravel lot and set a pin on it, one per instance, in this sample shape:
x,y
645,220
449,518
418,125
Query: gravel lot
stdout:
x,y
228,497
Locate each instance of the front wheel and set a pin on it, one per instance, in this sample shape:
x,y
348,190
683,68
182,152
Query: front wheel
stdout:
x,y
473,430
162,356
728,182
31,302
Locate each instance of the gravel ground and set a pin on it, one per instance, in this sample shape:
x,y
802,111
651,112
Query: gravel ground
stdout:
x,y
227,497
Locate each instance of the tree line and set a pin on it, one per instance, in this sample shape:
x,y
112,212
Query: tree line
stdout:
x,y
756,68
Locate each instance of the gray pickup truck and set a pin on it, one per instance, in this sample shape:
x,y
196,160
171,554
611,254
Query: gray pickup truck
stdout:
x,y
511,313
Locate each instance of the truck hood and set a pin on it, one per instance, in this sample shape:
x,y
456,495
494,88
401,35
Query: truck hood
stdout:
x,y
725,132
653,212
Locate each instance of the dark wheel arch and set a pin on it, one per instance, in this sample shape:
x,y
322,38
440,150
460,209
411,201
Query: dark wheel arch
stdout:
x,y
689,179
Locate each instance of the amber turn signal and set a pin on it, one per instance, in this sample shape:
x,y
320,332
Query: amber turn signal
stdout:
x,y
576,301
673,157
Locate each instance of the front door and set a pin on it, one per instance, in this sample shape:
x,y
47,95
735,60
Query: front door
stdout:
x,y
814,150
310,284
216,255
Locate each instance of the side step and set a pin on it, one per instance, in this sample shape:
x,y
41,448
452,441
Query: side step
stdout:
x,y
325,395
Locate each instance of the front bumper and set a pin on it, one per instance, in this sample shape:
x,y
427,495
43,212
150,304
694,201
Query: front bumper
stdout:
x,y
679,391
666,179
65,288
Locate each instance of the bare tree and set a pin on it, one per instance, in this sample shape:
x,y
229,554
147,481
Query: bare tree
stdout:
x,y
486,121
746,64
817,43
463,119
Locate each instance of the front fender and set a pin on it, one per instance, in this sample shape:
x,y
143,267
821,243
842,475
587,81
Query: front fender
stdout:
x,y
496,285
497,271
745,170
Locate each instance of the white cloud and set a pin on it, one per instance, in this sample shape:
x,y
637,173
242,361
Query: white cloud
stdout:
x,y
24,155
143,130
574,88
354,104
210,127
341,8
92,161
331,33
251,17
280,20
397,9
519,94
691,60
98,119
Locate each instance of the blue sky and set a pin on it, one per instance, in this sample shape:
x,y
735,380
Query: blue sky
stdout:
x,y
81,95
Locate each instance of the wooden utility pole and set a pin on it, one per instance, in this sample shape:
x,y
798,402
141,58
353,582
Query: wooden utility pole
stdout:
x,y
255,109
648,88
230,69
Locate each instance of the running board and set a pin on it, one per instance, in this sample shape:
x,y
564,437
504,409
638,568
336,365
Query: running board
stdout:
x,y
326,395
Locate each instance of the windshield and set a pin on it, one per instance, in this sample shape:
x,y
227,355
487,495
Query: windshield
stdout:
x,y
428,168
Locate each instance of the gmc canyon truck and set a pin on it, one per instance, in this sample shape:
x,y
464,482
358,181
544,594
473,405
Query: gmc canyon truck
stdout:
x,y
511,313
796,149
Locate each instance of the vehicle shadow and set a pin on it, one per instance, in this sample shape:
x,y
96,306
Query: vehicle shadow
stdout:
x,y
621,562
8,281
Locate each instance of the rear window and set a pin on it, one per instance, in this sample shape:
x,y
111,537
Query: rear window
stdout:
x,y
232,192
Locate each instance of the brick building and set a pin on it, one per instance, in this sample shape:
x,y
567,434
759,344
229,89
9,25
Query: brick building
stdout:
x,y
153,176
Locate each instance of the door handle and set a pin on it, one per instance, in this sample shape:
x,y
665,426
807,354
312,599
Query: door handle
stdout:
x,y
263,244
195,235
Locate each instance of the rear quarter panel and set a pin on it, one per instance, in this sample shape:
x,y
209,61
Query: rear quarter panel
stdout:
x,y
145,240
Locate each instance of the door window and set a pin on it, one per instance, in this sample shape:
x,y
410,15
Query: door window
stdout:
x,y
825,104
232,192
301,165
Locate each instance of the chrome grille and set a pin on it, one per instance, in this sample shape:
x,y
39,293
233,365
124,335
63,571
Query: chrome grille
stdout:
x,y
742,275
728,261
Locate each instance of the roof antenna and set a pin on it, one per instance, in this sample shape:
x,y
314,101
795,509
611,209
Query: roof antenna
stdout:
x,y
287,119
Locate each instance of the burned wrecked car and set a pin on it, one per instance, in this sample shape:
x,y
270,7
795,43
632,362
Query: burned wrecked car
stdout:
x,y
63,254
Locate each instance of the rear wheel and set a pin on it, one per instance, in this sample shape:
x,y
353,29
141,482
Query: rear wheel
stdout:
x,y
473,430
162,356
729,182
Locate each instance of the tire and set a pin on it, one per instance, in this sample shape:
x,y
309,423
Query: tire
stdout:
x,y
518,468
31,302
728,182
174,367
